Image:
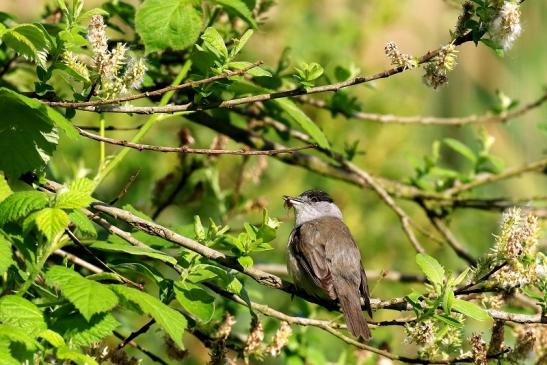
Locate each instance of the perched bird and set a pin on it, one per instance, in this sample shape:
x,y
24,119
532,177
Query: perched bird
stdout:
x,y
324,260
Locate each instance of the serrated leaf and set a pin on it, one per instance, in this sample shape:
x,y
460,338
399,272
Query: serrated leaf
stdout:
x,y
134,250
20,204
30,41
162,24
461,149
83,333
195,300
432,269
83,223
470,309
72,199
304,121
52,222
28,133
21,313
239,8
54,339
169,319
65,353
212,40
6,258
88,296
5,189
18,335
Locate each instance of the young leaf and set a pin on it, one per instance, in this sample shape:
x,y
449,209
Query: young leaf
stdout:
x,y
21,313
162,24
304,121
470,309
51,222
83,224
195,300
169,319
245,261
461,149
240,43
240,9
134,250
72,199
6,259
30,41
20,204
88,296
432,269
212,40
65,353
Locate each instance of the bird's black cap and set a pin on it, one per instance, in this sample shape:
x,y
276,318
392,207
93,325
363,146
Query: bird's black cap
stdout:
x,y
316,196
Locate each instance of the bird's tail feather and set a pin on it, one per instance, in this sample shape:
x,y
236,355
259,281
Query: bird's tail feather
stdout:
x,y
351,306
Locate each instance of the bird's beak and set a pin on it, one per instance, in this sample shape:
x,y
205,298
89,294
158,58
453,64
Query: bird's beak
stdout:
x,y
290,201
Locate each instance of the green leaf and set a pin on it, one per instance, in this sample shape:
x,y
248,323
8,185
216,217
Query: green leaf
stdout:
x,y
5,353
6,258
448,299
461,277
88,296
83,224
65,353
18,335
304,121
28,133
255,71
20,204
461,149
448,320
470,309
5,189
21,313
134,250
30,41
240,43
162,24
76,195
52,222
83,333
195,300
432,269
240,9
54,339
212,40
245,261
169,319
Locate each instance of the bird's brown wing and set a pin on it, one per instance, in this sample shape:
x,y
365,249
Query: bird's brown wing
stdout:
x,y
309,251
334,258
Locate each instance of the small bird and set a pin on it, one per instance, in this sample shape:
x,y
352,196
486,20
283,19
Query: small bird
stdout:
x,y
324,260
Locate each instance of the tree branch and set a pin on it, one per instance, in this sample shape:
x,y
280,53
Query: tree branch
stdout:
x,y
425,120
186,85
185,149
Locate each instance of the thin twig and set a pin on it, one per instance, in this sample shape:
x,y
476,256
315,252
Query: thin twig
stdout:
x,y
186,85
464,289
136,334
186,149
151,355
426,120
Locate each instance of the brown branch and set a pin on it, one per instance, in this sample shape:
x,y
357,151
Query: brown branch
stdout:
x,y
464,289
186,85
425,120
185,149
109,128
262,97
540,165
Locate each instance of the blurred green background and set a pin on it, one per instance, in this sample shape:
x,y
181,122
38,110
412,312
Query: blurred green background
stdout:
x,y
345,32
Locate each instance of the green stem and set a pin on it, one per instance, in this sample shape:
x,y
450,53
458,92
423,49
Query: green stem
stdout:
x,y
145,128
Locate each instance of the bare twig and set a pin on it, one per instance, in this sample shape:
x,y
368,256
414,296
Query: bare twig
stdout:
x,y
186,85
186,149
425,120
